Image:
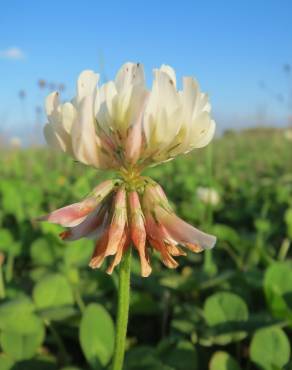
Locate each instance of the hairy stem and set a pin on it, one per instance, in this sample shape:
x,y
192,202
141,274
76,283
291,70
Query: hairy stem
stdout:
x,y
123,311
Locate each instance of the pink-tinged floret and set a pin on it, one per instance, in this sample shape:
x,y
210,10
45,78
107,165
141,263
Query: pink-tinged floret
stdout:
x,y
138,232
115,217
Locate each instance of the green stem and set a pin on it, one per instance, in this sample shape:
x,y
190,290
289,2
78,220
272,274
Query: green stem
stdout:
x,y
64,356
9,267
2,286
79,300
209,265
284,250
123,311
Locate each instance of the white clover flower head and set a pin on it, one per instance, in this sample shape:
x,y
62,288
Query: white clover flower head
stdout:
x,y
121,124
15,142
208,195
288,134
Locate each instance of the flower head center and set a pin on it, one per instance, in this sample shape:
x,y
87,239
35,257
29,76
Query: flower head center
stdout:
x,y
132,178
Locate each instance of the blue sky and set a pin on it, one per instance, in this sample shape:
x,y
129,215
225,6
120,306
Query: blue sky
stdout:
x,y
229,46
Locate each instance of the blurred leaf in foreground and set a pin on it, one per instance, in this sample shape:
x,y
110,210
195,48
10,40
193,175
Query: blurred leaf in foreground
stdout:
x,y
223,361
224,313
52,291
97,335
278,289
270,349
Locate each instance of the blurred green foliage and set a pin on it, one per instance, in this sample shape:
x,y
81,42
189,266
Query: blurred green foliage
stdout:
x,y
228,309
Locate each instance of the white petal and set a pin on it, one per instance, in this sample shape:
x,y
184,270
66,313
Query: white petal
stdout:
x,y
139,99
53,139
107,93
51,106
167,95
104,115
167,128
204,103
86,84
208,136
84,135
189,96
202,130
160,120
170,71
68,116
128,75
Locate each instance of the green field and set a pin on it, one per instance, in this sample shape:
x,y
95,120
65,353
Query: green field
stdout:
x,y
228,309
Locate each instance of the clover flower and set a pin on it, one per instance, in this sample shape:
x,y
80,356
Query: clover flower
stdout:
x,y
15,142
288,134
123,126
208,195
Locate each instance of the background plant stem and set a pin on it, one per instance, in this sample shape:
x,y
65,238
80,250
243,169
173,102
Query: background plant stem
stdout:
x,y
64,356
209,265
9,268
2,286
123,311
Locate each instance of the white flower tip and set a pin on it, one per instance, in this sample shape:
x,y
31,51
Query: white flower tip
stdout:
x,y
86,84
211,242
128,75
52,102
169,71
